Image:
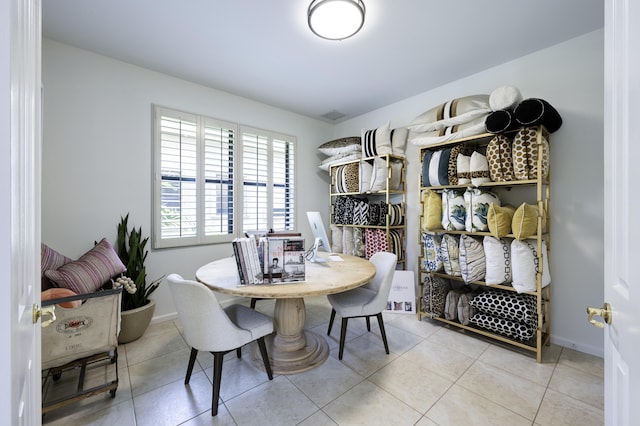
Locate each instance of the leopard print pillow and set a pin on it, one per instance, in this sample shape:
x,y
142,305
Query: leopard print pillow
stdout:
x,y
434,294
525,154
351,177
500,158
452,171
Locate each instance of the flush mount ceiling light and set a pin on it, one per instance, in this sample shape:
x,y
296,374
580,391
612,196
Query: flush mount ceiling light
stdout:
x,y
336,19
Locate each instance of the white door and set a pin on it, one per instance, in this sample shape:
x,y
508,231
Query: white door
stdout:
x,y
20,211
622,211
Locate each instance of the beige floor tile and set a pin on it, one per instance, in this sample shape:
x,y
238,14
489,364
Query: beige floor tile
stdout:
x,y
175,402
326,382
159,371
441,360
411,383
159,339
561,410
411,324
580,361
425,421
519,395
319,418
121,414
464,342
365,354
400,340
277,402
460,406
523,365
367,404
205,419
579,385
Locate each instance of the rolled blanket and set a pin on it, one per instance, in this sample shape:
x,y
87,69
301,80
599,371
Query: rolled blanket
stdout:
x,y
500,121
535,111
504,97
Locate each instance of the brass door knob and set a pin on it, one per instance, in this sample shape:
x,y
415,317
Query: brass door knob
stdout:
x,y
604,313
38,312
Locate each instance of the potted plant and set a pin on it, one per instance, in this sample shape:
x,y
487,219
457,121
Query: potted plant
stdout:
x,y
137,309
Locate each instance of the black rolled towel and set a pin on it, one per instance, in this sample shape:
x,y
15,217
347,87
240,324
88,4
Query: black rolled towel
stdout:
x,y
535,111
500,121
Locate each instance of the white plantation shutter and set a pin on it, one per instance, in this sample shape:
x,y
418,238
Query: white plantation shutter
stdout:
x,y
211,184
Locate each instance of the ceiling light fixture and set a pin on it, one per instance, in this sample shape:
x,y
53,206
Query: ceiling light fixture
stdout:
x,y
336,19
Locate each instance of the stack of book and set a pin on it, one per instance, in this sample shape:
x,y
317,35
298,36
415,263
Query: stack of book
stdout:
x,y
270,260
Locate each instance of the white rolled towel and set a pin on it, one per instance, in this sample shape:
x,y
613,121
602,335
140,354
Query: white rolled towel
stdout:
x,y
504,97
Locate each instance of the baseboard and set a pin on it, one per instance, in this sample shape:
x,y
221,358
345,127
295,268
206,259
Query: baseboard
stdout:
x,y
580,347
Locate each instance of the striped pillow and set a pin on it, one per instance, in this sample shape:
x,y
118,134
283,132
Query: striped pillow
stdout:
x,y
91,271
377,141
50,259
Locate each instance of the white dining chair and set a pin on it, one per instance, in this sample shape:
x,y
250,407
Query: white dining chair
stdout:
x,y
209,327
366,301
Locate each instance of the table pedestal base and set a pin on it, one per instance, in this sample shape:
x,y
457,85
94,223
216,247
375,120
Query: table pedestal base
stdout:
x,y
292,349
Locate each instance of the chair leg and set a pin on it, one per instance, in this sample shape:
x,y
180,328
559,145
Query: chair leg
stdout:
x,y
333,316
217,376
192,361
253,302
265,357
368,324
384,335
239,352
343,334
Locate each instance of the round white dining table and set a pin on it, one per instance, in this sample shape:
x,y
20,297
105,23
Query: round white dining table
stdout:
x,y
292,349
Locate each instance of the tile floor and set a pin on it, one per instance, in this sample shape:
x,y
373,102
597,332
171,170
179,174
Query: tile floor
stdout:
x,y
433,376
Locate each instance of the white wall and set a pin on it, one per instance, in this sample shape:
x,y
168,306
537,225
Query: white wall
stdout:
x,y
97,149
97,160
569,76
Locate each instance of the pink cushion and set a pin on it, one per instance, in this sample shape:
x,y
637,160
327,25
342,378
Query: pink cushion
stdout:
x,y
91,271
50,259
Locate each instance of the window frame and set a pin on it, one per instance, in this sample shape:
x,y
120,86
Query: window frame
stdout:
x,y
238,181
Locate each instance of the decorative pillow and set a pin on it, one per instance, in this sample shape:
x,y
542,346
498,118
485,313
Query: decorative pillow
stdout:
x,y
396,214
375,240
360,212
347,240
379,175
431,252
499,219
350,175
465,130
452,171
525,221
479,169
349,207
451,113
395,181
434,294
431,210
525,154
91,271
535,111
336,238
464,169
504,97
472,261
399,140
451,305
339,158
50,259
435,167
341,146
507,304
358,242
336,179
497,254
524,258
500,121
512,329
366,174
465,310
378,211
396,239
377,141
450,252
476,202
500,159
453,210
339,215
57,293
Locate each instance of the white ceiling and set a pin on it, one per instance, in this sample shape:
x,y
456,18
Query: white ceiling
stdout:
x,y
263,49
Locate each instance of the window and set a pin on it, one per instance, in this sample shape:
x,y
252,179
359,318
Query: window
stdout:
x,y
215,180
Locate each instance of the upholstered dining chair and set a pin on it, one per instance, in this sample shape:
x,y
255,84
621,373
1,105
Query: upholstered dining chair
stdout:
x,y
209,327
366,301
